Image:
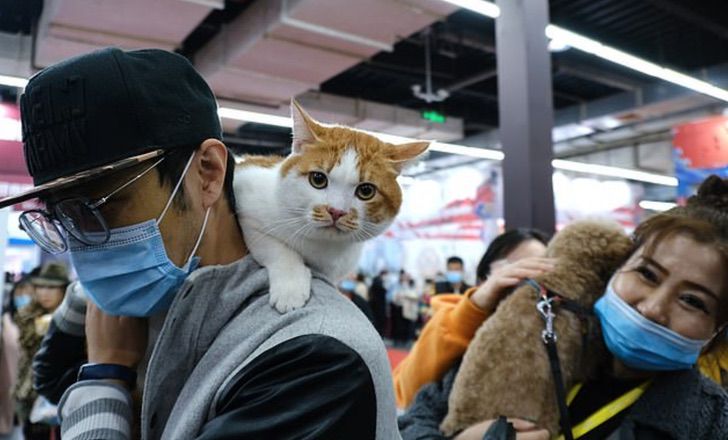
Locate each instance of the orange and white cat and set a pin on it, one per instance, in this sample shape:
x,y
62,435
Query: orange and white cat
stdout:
x,y
314,209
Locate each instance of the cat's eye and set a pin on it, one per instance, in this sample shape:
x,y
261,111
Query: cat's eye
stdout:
x,y
366,191
318,179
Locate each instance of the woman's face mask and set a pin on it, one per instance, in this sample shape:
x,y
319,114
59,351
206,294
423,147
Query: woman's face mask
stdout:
x,y
640,343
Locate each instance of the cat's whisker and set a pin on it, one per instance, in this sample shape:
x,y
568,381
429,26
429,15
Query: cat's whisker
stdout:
x,y
270,230
302,235
299,234
296,210
282,222
368,229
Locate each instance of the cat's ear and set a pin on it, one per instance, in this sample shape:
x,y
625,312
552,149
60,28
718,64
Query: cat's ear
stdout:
x,y
304,127
404,154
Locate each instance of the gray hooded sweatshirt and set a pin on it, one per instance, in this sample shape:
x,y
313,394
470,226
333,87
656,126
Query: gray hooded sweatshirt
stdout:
x,y
219,324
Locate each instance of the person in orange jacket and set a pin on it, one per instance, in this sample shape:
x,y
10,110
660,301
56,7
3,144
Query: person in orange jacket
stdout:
x,y
511,257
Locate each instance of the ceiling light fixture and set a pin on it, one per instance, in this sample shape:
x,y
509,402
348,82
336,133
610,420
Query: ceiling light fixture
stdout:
x,y
604,170
481,7
13,81
214,4
258,118
566,37
558,46
617,56
656,206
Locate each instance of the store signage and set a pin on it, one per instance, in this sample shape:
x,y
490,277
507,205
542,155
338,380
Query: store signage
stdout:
x,y
434,116
700,149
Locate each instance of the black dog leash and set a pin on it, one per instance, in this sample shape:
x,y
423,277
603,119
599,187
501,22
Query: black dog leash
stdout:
x,y
545,305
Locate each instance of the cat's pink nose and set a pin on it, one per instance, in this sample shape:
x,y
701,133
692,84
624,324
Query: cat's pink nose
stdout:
x,y
336,214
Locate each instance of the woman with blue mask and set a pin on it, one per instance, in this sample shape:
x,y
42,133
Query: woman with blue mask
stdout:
x,y
663,313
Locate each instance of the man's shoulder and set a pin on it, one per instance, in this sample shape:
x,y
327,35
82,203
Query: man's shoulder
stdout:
x,y
327,312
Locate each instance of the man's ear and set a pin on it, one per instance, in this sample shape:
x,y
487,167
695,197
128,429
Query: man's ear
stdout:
x,y
211,164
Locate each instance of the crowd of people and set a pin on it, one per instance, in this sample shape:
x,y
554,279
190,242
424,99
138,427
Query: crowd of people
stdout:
x,y
27,307
397,304
169,332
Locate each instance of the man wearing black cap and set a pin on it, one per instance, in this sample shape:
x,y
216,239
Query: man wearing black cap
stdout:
x,y
125,151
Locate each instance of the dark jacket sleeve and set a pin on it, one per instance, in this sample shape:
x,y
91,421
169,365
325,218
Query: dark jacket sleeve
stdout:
x,y
310,387
422,419
56,364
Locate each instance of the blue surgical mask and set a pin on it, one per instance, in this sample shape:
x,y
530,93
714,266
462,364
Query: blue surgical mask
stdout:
x,y
347,285
454,276
641,343
131,274
21,301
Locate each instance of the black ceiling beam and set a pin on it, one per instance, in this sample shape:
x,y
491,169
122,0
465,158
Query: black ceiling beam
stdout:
x,y
486,45
481,44
471,80
477,95
413,71
689,15
568,97
595,75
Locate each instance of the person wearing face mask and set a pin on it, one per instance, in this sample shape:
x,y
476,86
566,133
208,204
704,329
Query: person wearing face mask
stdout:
x,y
126,155
663,309
48,287
22,292
454,277
510,257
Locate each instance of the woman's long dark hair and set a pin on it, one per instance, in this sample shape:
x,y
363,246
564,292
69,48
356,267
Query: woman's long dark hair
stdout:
x,y
503,245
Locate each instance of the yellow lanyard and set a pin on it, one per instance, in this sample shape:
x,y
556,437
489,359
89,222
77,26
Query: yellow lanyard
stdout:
x,y
607,411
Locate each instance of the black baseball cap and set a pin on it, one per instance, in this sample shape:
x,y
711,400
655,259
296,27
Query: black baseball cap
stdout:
x,y
107,110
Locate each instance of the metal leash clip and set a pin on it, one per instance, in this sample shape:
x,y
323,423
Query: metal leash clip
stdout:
x,y
546,310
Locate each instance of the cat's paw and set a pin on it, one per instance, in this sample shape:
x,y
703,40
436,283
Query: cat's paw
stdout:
x,y
290,292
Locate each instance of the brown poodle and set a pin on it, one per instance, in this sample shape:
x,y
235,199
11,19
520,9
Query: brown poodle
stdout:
x,y
505,370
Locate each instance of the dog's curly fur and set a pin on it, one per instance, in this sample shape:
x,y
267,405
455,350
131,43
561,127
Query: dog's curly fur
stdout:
x,y
505,370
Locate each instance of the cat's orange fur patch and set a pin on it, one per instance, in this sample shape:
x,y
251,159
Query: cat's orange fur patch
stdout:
x,y
350,220
320,214
260,161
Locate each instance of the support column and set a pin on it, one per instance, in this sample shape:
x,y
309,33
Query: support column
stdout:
x,y
526,113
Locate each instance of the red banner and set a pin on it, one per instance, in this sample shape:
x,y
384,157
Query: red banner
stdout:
x,y
703,144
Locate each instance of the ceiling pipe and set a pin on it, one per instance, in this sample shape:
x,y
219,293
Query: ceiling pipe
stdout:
x,y
467,82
